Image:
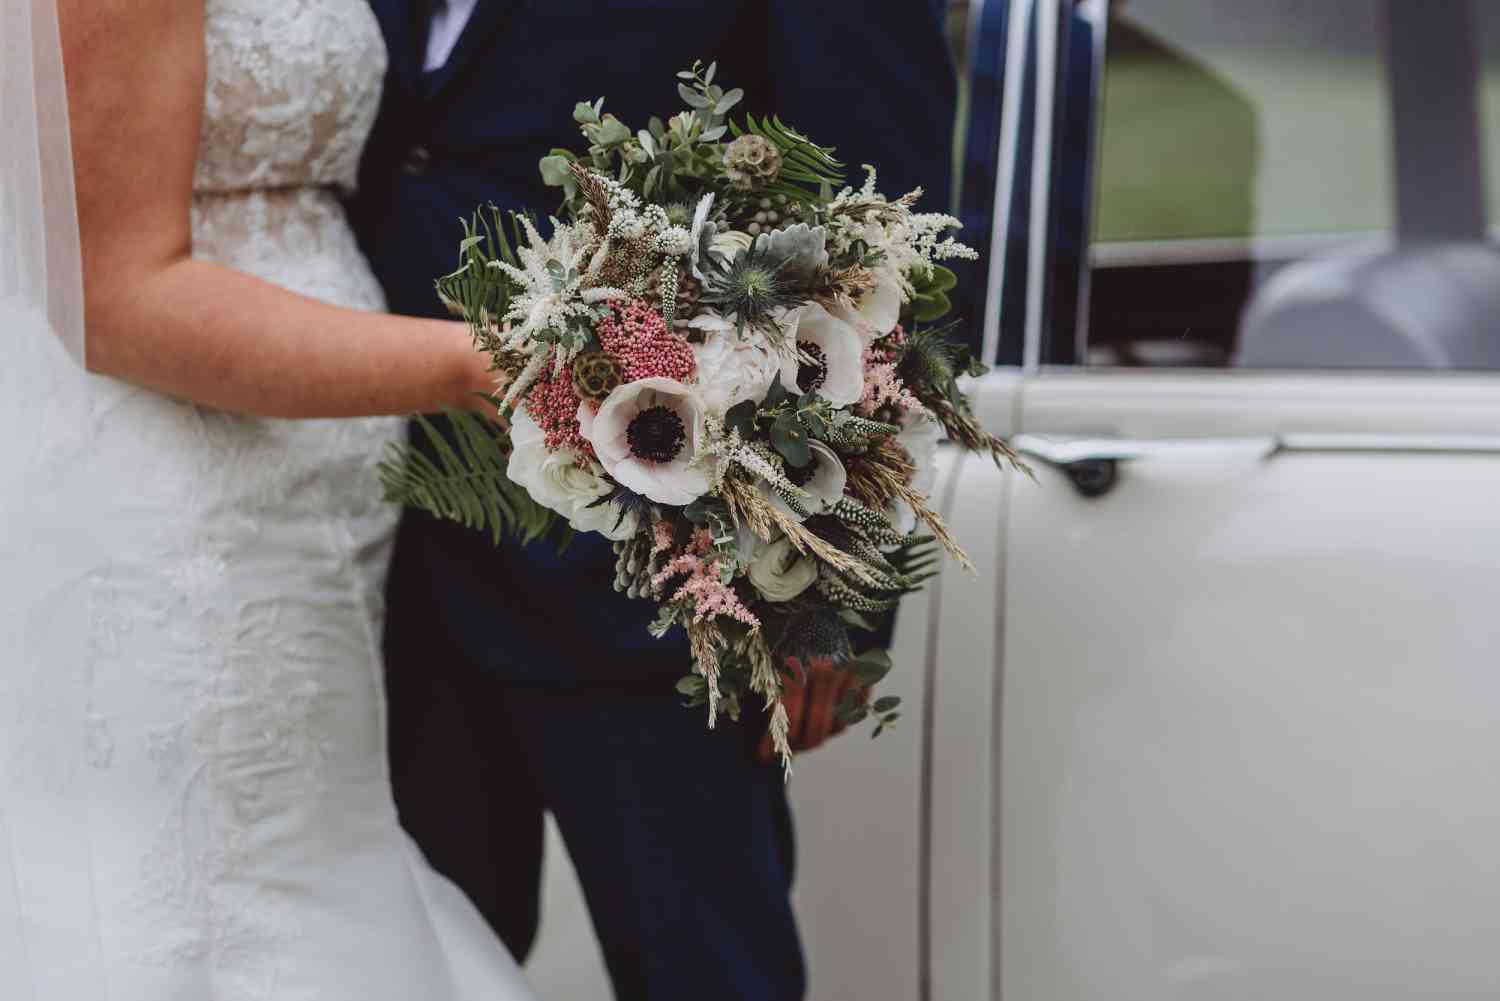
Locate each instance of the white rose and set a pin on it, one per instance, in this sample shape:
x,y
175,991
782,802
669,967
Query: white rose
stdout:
x,y
564,482
606,519
528,452
731,370
920,436
780,573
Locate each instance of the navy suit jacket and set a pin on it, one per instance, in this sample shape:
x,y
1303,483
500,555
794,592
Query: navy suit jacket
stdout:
x,y
870,77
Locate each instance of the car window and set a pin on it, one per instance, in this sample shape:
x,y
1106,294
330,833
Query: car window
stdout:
x,y
1281,184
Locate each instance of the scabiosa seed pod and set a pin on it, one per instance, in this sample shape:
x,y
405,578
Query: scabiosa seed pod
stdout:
x,y
751,162
595,375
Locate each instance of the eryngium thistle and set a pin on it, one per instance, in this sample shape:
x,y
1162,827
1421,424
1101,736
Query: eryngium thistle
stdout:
x,y
595,375
819,634
751,162
751,286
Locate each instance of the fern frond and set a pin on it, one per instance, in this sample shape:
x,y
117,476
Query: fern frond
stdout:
x,y
461,477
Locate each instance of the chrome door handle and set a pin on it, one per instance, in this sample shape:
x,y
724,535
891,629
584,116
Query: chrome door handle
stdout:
x,y
1065,451
1092,463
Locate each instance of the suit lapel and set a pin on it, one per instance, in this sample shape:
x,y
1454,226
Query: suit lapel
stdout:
x,y
489,17
402,40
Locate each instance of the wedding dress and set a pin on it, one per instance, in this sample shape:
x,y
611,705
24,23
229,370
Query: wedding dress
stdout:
x,y
194,794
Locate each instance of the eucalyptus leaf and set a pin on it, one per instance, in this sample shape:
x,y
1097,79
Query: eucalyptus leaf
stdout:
x,y
713,134
729,100
788,438
741,418
886,704
556,171
708,74
610,132
584,113
648,143
691,97
870,667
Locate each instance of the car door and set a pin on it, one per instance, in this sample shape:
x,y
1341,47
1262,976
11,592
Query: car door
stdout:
x,y
1239,729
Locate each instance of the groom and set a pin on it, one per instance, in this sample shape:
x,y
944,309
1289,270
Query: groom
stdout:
x,y
519,681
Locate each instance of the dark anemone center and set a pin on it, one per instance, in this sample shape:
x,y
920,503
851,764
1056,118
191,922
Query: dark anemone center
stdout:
x,y
812,371
800,475
656,434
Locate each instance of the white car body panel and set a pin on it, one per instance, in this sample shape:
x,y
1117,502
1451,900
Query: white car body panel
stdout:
x,y
1249,744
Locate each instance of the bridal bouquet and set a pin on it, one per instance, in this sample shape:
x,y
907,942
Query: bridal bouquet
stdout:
x,y
722,359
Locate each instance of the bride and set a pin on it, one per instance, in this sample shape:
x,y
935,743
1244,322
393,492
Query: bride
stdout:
x,y
194,794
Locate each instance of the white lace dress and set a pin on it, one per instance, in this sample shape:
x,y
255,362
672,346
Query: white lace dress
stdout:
x,y
199,805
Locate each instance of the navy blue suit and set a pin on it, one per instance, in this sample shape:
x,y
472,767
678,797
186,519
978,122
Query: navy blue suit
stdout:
x,y
519,681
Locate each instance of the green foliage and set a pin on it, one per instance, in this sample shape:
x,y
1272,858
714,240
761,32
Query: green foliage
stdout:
x,y
478,292
929,301
462,478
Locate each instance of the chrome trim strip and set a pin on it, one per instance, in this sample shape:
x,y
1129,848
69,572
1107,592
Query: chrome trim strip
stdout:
x,y
928,741
1096,14
1065,450
1041,179
1216,250
1013,84
1430,444
997,757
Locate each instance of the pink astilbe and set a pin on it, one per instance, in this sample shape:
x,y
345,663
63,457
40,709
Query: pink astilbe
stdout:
x,y
636,336
553,404
704,588
883,387
662,537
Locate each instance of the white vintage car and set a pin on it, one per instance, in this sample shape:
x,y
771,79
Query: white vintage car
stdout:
x,y
1219,717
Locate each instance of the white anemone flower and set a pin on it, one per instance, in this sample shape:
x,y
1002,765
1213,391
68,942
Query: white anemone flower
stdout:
x,y
822,480
878,310
565,482
829,358
780,573
646,435
731,369
731,243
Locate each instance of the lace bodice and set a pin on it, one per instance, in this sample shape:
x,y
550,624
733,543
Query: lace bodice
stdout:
x,y
293,88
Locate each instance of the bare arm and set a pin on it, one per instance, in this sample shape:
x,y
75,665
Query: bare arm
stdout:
x,y
191,329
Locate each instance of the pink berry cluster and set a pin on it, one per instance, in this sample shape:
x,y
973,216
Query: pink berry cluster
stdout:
x,y
636,336
553,404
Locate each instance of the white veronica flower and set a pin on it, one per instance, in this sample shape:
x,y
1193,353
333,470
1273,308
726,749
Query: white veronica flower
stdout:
x,y
646,435
780,573
823,480
565,482
829,358
731,369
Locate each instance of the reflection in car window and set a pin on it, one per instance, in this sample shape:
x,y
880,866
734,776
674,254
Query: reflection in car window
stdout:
x,y
1285,184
